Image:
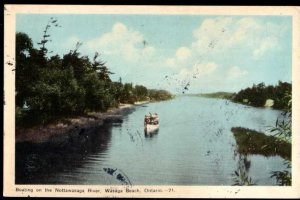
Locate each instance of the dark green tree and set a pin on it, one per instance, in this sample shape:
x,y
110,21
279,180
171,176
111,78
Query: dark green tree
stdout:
x,y
53,87
258,94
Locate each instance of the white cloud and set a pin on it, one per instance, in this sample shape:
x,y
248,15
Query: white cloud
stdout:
x,y
171,62
183,53
246,32
180,59
129,44
210,33
198,70
189,78
148,51
266,44
119,29
204,68
220,34
235,72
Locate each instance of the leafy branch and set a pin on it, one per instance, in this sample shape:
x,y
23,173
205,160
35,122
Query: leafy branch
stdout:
x,y
242,179
46,36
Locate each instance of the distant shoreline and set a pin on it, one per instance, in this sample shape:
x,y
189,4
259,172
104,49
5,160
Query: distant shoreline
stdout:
x,y
217,95
229,96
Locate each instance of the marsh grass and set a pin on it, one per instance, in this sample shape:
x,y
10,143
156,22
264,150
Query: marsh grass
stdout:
x,y
253,142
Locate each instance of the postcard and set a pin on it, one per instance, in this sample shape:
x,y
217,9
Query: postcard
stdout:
x,y
151,101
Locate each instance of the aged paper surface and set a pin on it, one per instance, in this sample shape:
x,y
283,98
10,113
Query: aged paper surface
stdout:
x,y
89,189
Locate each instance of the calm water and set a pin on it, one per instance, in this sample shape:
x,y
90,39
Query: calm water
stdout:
x,y
194,146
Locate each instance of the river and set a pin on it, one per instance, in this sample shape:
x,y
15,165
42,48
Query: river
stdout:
x,y
194,146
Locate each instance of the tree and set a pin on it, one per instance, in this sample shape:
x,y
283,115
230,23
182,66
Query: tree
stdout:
x,y
116,89
55,87
282,90
127,95
141,92
24,68
258,94
80,65
100,67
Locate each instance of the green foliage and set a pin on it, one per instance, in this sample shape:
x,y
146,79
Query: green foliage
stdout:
x,y
128,94
283,132
258,94
241,174
159,95
253,142
242,179
283,177
55,87
96,93
283,126
141,92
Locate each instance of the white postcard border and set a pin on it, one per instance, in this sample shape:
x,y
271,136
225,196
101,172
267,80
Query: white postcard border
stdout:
x,y
9,187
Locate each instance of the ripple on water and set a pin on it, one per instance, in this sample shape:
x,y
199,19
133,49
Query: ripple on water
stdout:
x,y
194,146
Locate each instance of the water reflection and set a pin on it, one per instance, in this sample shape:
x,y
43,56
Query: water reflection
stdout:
x,y
119,175
194,146
244,163
39,163
151,134
241,174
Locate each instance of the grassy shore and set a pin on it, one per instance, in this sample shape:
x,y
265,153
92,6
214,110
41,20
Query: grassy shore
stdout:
x,y
253,142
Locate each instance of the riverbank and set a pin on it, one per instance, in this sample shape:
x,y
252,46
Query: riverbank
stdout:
x,y
253,142
41,134
186,123
269,103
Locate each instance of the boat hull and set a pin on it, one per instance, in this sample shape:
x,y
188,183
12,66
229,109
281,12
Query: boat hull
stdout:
x,y
150,128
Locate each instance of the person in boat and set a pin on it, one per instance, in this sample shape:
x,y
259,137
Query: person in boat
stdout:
x,y
154,119
151,119
147,119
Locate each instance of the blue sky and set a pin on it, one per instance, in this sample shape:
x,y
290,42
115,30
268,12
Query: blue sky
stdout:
x,y
211,53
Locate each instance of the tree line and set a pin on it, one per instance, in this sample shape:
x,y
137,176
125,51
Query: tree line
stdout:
x,y
258,94
52,87
282,131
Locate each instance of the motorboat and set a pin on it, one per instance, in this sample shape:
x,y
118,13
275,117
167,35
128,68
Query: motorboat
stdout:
x,y
151,123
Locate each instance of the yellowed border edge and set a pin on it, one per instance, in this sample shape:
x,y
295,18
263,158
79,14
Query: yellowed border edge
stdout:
x,y
180,191
9,102
295,102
